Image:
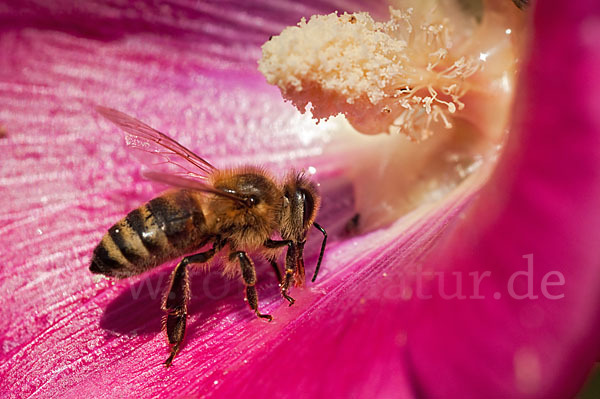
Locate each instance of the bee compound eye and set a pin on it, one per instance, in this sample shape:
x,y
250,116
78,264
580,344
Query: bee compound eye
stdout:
x,y
309,207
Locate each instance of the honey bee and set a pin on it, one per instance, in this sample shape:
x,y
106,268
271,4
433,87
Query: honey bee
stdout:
x,y
235,211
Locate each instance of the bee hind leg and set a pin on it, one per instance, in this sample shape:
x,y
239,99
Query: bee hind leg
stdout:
x,y
249,277
175,302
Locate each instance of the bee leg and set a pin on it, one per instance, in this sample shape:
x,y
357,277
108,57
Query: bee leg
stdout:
x,y
249,277
276,244
275,267
290,259
175,302
299,275
291,262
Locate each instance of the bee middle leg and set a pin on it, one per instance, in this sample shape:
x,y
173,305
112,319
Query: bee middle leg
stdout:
x,y
249,277
175,302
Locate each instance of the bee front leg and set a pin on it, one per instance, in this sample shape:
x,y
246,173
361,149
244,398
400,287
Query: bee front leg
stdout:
x,y
290,266
275,267
291,262
249,277
175,302
299,276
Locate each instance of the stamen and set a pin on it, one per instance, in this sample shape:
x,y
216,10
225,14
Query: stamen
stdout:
x,y
394,76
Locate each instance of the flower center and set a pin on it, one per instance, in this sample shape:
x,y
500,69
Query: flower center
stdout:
x,y
433,71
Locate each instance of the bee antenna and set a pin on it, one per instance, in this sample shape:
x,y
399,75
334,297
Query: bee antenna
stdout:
x,y
322,230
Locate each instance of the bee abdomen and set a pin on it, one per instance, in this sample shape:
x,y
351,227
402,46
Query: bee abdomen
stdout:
x,y
164,228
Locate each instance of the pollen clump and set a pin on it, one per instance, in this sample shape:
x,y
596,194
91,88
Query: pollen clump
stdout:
x,y
402,75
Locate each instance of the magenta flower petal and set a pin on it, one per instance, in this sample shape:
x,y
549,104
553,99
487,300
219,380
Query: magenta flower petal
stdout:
x,y
189,69
546,217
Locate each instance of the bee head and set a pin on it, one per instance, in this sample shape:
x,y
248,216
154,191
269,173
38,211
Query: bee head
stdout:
x,y
300,206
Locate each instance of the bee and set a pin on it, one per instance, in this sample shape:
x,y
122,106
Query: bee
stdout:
x,y
234,211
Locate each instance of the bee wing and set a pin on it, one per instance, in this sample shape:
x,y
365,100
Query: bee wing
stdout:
x,y
150,141
191,184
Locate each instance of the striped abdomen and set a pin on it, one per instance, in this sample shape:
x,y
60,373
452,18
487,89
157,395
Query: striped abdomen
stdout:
x,y
162,229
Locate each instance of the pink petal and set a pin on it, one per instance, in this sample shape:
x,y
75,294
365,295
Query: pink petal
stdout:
x,y
189,67
545,194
